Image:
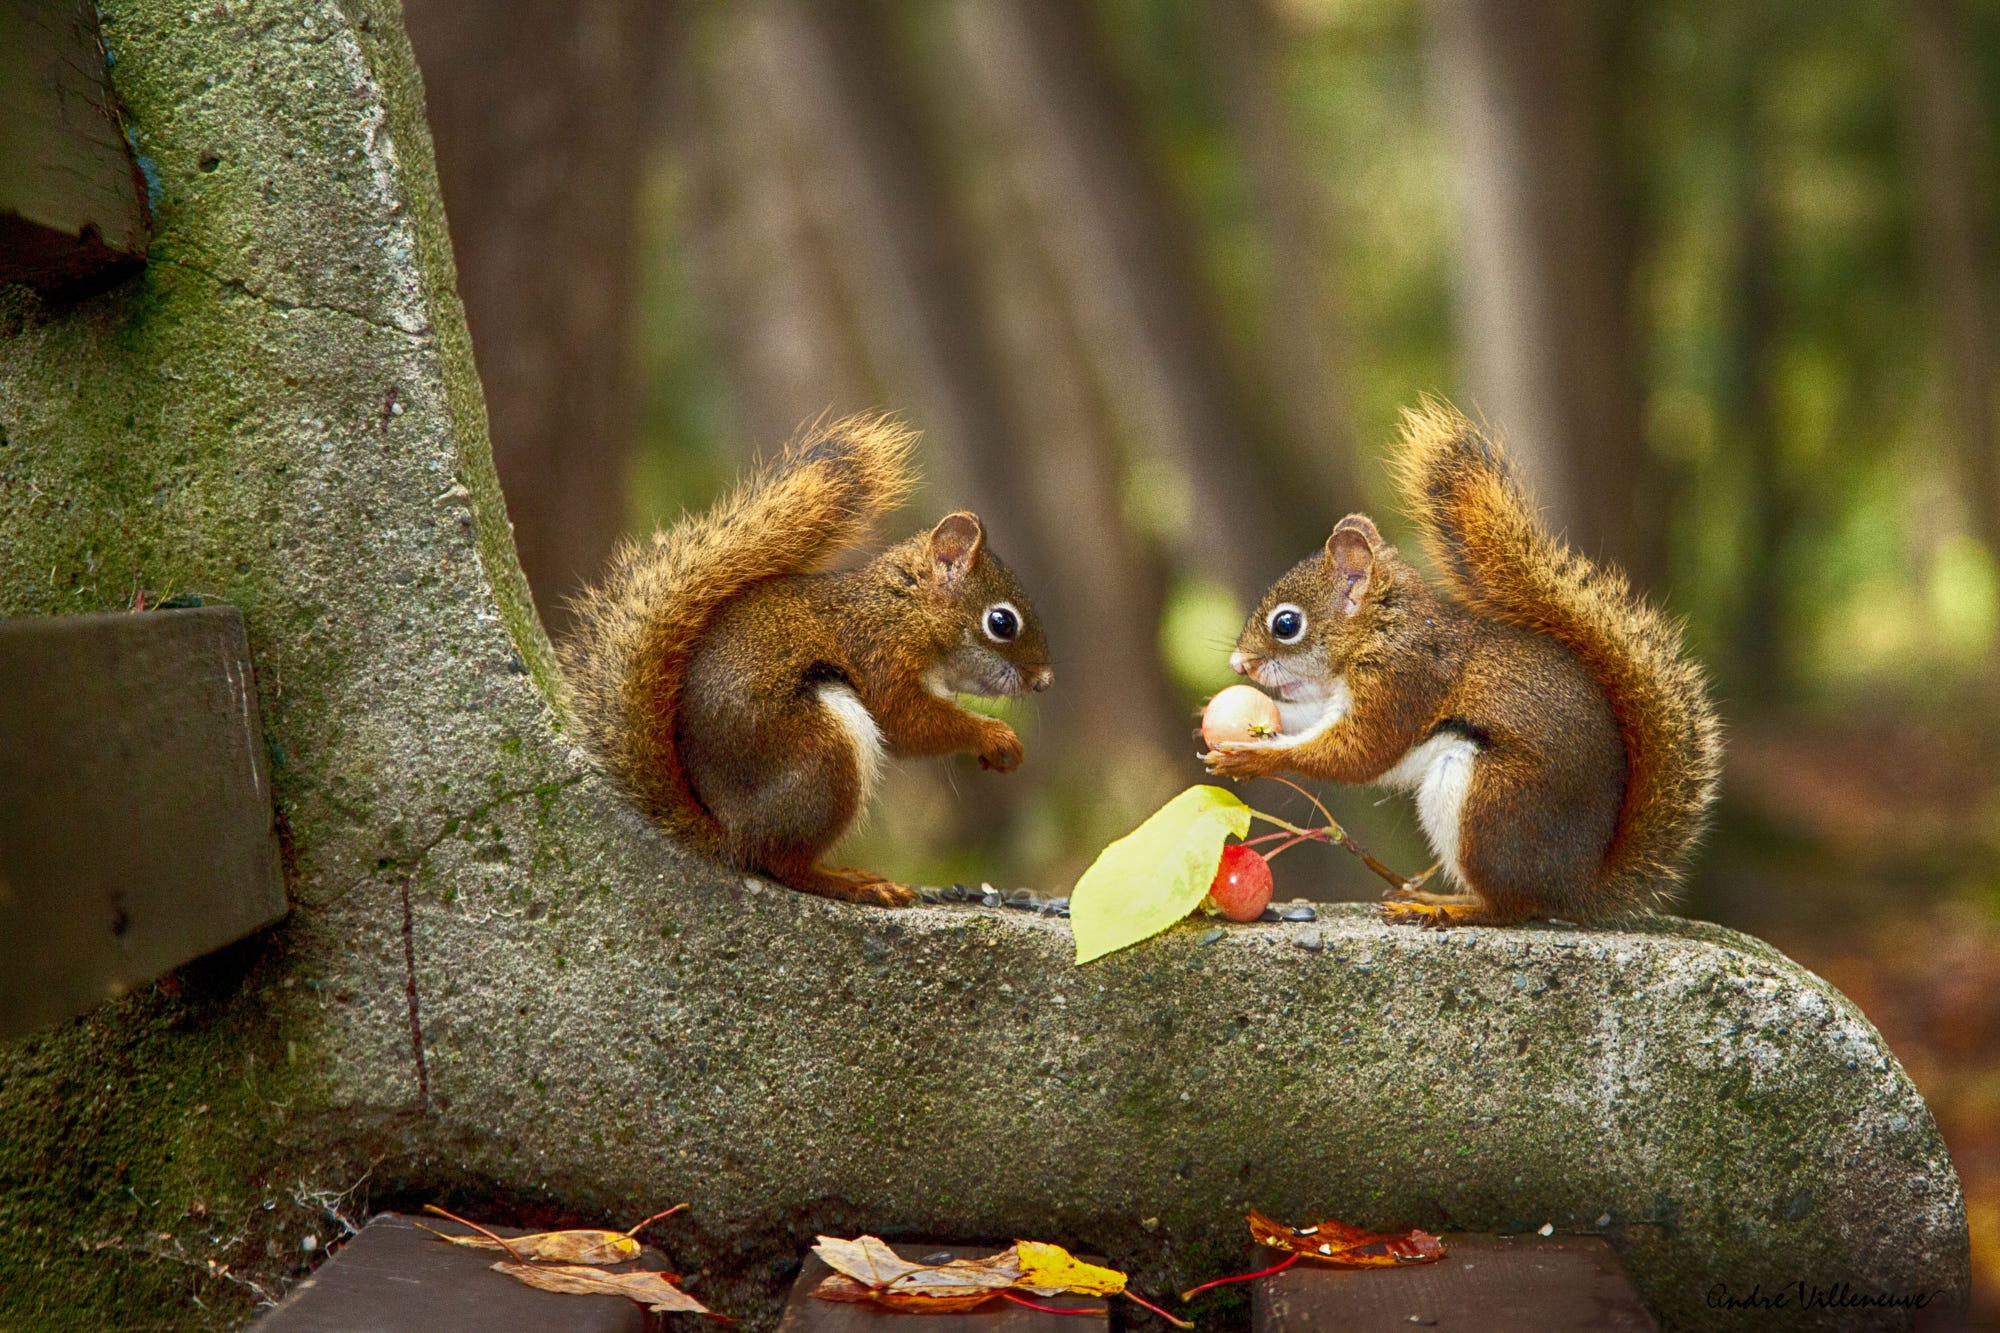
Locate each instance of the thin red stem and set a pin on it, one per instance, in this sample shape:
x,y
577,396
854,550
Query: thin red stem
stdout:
x,y
1192,1292
665,1212
1317,835
501,1241
1054,1309
1338,835
1176,1321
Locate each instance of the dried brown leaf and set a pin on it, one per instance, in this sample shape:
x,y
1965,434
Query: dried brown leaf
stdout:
x,y
839,1287
649,1289
1347,1246
868,1259
867,1270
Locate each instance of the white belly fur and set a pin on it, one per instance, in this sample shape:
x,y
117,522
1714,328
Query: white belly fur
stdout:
x,y
1307,719
1438,770
862,732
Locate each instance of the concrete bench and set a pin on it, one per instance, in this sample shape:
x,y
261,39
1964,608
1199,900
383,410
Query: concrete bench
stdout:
x,y
495,977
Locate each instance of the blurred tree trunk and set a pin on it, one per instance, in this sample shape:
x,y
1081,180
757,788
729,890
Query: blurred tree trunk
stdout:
x,y
760,264
1306,346
1765,633
828,80
1121,712
1547,250
540,120
1954,246
872,150
1759,669
1129,276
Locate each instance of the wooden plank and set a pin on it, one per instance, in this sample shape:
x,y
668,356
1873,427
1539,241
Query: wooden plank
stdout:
x,y
394,1278
72,202
806,1313
1486,1284
135,804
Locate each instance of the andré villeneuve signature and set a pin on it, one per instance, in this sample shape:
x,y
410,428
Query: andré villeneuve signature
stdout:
x,y
1803,1295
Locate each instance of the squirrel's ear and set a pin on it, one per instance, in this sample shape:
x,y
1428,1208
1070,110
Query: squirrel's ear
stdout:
x,y
955,545
1360,523
1350,561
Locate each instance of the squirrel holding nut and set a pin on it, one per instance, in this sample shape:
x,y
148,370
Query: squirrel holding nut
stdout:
x,y
1560,744
744,697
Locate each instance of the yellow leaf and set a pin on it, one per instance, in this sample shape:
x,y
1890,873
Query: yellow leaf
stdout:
x,y
1052,1268
1156,874
563,1247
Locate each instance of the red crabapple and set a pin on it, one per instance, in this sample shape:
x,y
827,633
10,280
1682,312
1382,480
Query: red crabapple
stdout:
x,y
1242,885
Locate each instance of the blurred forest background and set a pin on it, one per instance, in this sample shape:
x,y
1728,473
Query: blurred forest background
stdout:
x,y
1154,278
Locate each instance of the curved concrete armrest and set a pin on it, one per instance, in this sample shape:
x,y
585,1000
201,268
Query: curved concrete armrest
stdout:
x,y
498,983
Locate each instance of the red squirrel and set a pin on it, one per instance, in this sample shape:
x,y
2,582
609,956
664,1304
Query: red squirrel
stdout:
x,y
1559,742
744,697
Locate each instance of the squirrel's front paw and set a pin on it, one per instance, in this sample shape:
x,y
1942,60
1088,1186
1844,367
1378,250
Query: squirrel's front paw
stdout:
x,y
1001,750
1241,760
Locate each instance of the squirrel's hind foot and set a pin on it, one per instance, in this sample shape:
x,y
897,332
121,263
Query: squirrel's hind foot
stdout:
x,y
852,886
885,893
1436,911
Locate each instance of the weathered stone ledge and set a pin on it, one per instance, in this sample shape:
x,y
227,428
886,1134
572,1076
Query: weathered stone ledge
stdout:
x,y
1719,1113
606,1025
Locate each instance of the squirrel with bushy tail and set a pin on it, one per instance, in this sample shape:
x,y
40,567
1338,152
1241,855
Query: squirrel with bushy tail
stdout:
x,y
744,696
1559,742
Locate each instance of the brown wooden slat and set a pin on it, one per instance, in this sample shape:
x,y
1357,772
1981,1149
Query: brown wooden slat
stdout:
x,y
135,804
72,203
394,1278
1486,1284
806,1313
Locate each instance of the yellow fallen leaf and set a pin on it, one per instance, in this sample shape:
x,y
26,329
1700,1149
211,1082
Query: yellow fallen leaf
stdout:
x,y
649,1289
564,1247
583,1246
1051,1268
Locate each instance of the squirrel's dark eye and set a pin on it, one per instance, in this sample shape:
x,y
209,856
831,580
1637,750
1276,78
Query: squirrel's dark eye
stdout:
x,y
1003,622
1288,624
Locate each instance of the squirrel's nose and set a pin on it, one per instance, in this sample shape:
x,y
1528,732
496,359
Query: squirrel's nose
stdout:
x,y
1044,678
1239,662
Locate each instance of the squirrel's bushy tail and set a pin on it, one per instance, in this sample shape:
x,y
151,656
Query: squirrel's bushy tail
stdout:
x,y
624,664
1496,557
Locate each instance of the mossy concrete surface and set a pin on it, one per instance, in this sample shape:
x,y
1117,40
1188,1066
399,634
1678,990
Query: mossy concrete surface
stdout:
x,y
282,412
